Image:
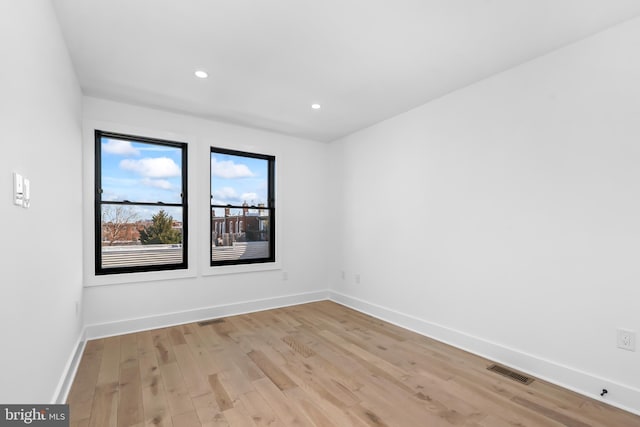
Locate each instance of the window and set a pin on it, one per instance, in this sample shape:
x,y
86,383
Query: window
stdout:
x,y
242,208
140,204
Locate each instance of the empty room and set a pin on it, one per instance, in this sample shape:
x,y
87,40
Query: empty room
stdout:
x,y
327,213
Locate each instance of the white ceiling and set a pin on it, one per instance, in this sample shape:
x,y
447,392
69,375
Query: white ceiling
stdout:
x,y
269,60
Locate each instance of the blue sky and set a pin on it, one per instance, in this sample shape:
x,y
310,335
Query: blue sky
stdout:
x,y
141,172
237,179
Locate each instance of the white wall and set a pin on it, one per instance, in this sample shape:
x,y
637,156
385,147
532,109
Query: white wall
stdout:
x,y
118,303
502,218
40,118
505,217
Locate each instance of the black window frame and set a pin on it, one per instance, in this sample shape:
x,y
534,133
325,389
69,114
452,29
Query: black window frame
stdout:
x,y
99,270
271,202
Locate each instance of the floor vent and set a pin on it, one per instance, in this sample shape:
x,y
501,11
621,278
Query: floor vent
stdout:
x,y
511,374
210,322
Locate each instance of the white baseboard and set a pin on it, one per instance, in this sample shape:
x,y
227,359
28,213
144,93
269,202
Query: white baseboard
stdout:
x,y
120,327
69,373
619,395
102,330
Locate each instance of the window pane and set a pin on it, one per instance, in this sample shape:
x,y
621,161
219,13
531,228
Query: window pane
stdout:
x,y
240,234
140,172
236,180
134,235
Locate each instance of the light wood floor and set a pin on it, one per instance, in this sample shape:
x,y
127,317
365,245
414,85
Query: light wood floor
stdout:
x,y
317,364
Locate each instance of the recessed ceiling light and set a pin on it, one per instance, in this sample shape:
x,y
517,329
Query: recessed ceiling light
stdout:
x,y
201,74
315,106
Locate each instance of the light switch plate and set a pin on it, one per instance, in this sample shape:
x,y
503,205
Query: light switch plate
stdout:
x,y
18,189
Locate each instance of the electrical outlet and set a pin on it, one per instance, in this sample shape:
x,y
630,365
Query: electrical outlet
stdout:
x,y
342,275
627,339
285,275
357,278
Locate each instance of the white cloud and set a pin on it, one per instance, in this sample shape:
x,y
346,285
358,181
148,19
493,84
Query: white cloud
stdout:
x,y
225,194
158,167
229,169
117,146
115,182
111,195
158,183
249,197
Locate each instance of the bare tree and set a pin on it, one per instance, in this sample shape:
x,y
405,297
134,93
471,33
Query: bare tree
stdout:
x,y
117,222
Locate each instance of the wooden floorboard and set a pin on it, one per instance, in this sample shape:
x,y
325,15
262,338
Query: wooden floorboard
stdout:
x,y
318,364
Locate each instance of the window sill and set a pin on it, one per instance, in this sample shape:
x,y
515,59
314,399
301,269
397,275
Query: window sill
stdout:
x,y
130,278
242,268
